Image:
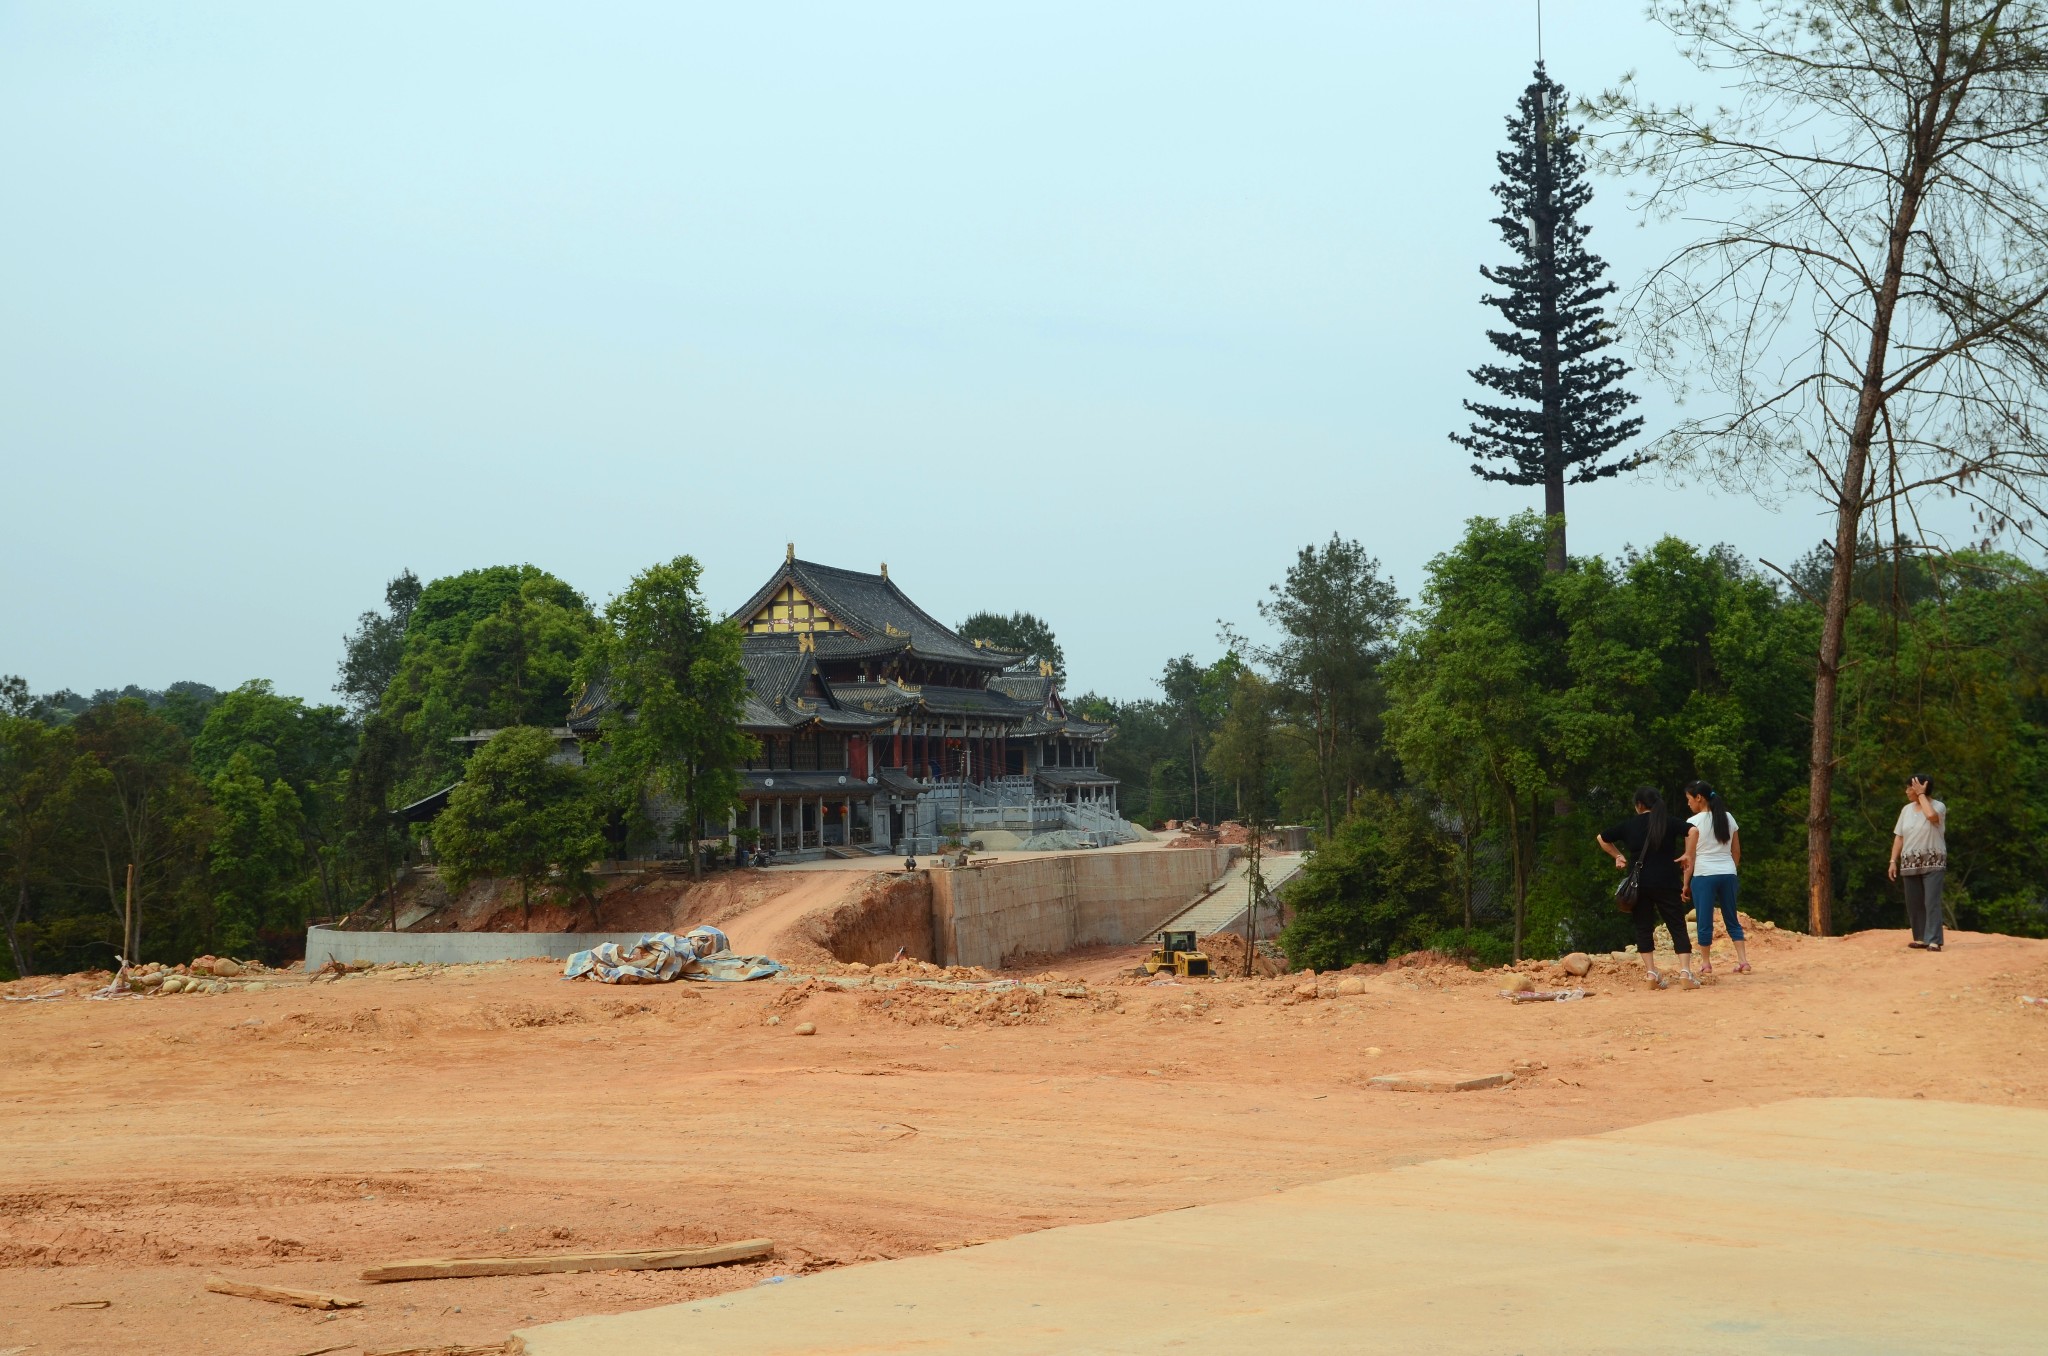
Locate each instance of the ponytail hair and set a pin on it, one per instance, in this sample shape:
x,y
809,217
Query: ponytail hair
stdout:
x,y
1653,802
1713,800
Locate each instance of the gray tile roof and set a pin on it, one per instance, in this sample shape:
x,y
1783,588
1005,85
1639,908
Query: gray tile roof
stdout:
x,y
875,611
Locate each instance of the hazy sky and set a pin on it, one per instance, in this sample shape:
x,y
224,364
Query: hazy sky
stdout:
x,y
1096,310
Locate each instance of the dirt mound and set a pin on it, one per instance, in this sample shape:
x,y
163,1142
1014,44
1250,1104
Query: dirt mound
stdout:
x,y
1226,952
1007,1006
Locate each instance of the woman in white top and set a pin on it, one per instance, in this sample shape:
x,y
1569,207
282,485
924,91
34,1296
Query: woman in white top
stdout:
x,y
1713,849
1920,854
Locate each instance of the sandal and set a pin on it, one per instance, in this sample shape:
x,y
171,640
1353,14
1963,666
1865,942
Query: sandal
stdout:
x,y
1917,946
1934,946
1706,966
1689,977
1742,967
1656,980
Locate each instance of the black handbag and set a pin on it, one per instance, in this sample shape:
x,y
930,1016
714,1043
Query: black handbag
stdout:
x,y
1631,887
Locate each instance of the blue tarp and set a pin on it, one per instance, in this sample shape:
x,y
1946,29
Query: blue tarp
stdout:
x,y
659,957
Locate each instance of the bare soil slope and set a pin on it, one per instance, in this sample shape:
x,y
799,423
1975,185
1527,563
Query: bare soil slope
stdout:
x,y
292,1137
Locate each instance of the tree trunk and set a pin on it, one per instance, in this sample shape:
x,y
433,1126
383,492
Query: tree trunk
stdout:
x,y
1850,502
1553,521
22,960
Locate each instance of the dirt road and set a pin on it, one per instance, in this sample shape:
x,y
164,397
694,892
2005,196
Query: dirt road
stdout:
x,y
292,1137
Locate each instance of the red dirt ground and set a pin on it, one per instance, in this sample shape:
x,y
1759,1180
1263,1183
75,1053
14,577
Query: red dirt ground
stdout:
x,y
292,1137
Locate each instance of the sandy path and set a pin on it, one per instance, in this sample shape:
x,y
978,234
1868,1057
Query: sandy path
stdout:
x,y
759,930
295,1136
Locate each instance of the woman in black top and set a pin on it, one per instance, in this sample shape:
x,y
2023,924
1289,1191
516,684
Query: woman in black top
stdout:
x,y
1658,841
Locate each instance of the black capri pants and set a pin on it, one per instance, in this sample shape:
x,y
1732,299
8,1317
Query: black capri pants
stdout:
x,y
1660,903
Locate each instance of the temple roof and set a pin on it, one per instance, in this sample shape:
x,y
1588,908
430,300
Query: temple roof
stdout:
x,y
872,612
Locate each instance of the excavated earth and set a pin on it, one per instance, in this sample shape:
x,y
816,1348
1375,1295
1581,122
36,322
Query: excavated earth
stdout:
x,y
295,1135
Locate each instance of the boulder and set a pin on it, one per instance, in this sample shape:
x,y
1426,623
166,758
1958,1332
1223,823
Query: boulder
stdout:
x,y
1351,984
1578,963
175,984
226,968
1521,984
806,1029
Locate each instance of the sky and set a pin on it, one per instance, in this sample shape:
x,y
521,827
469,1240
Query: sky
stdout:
x,y
1100,311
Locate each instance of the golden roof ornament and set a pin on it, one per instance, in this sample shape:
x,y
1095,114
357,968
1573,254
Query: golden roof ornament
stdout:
x,y
1045,668
789,555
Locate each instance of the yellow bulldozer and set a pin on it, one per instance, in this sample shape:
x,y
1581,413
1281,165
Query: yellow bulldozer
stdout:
x,y
1177,952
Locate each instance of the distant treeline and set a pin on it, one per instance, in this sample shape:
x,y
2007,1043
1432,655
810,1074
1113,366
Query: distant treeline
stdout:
x,y
1459,756
1456,756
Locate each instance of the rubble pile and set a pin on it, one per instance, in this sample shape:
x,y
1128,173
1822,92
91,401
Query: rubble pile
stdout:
x,y
206,974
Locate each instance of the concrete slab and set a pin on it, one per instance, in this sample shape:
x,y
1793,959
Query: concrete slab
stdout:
x,y
1829,1226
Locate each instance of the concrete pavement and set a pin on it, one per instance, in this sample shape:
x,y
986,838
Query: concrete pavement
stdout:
x,y
1825,1226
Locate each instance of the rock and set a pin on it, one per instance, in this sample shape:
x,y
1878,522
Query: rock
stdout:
x,y
1578,963
772,1020
1351,984
175,984
806,1029
1521,984
256,986
1372,1050
1305,990
226,968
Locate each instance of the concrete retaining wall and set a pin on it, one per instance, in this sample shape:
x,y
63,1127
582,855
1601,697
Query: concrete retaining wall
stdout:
x,y
988,914
449,948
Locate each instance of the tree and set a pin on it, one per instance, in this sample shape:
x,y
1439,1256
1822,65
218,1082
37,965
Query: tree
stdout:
x,y
519,813
1246,752
145,812
37,768
1378,885
484,649
676,688
370,654
1020,633
1196,697
1569,402
300,754
1336,615
1867,305
256,851
1474,685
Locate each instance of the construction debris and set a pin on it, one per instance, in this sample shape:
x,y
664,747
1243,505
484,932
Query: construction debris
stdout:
x,y
659,957
1542,995
301,1299
645,1259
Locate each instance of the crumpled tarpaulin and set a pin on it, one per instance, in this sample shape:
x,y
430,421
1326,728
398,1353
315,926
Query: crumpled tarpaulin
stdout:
x,y
658,957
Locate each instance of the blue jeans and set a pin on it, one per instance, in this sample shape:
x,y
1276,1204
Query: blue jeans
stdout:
x,y
1708,893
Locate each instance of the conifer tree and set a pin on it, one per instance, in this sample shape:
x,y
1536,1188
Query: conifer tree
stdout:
x,y
1569,402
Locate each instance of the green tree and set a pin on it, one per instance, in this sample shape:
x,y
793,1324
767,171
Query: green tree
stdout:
x,y
1022,634
1337,617
37,771
256,853
1380,885
676,688
520,813
371,653
304,749
1569,404
1196,697
143,809
1474,685
484,649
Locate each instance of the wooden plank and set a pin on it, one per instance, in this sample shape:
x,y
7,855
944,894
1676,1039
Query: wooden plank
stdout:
x,y
1436,1080
303,1299
644,1259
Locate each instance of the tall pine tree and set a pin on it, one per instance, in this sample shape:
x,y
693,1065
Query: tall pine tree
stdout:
x,y
1569,401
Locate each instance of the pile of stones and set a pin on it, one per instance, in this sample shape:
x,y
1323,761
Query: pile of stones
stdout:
x,y
207,974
